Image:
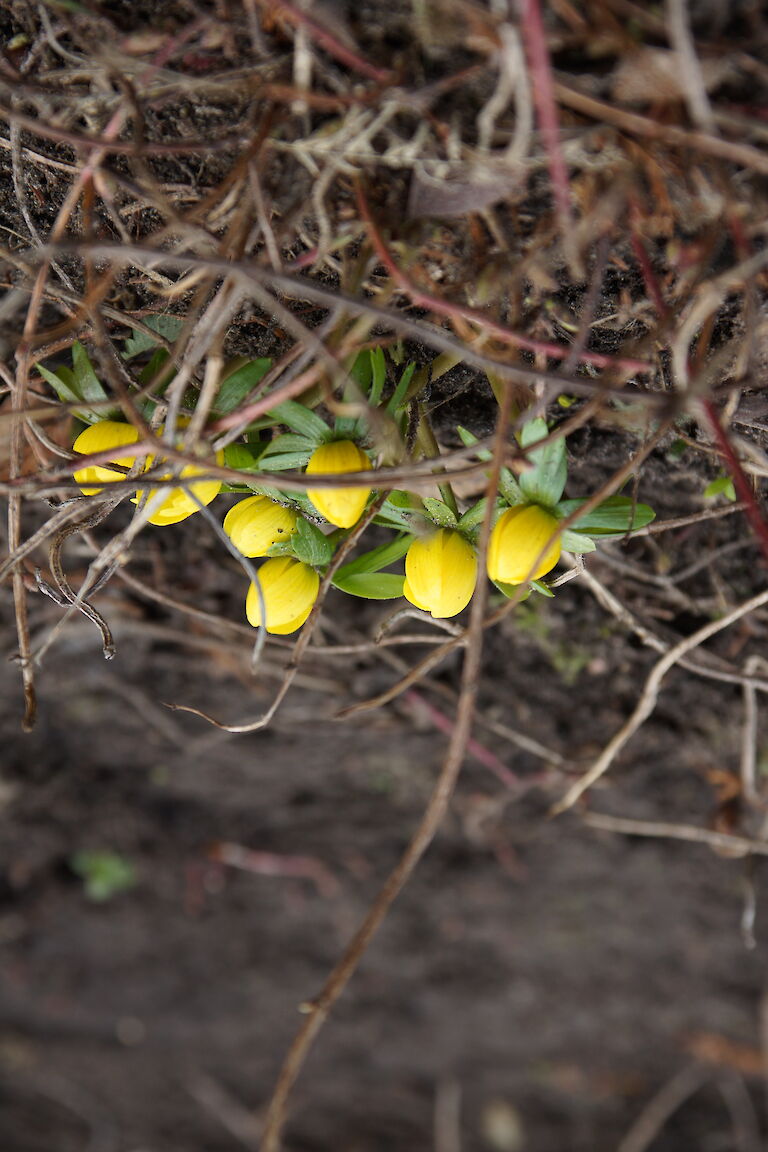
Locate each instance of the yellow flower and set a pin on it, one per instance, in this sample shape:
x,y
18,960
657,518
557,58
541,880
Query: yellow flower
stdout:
x,y
177,504
289,589
440,573
340,506
522,537
98,438
255,524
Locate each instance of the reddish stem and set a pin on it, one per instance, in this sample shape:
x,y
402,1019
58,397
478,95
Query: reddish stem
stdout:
x,y
460,311
740,482
540,65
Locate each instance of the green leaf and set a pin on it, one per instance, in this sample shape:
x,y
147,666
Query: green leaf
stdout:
x,y
166,326
235,387
542,589
302,420
87,383
398,511
104,874
288,442
285,461
401,391
160,359
266,490
721,486
508,590
371,585
613,517
509,487
75,385
473,517
438,511
310,545
242,457
377,558
369,371
577,542
468,440
544,483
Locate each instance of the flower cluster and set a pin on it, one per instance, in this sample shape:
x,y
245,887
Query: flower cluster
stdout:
x,y
296,534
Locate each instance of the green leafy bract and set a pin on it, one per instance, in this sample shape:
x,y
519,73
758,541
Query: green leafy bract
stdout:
x,y
371,585
242,457
80,383
377,558
439,511
614,517
238,384
302,420
544,483
310,545
577,542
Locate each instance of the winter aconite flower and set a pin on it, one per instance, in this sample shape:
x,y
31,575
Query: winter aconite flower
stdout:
x,y
524,545
340,506
255,524
440,573
176,505
98,438
289,589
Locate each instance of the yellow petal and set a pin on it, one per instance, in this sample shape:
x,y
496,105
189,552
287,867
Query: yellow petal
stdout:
x,y
525,544
178,504
340,506
98,438
289,589
255,524
440,573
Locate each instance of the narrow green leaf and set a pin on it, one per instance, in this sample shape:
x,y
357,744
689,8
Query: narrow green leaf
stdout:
x,y
544,483
398,511
377,558
285,461
468,440
613,517
509,487
243,457
378,375
438,511
62,382
302,420
371,585
87,383
66,388
399,395
577,542
288,442
235,387
310,545
508,590
542,589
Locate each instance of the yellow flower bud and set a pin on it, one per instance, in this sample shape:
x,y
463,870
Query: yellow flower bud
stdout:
x,y
98,438
255,524
340,506
440,573
522,537
289,589
177,504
